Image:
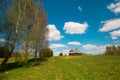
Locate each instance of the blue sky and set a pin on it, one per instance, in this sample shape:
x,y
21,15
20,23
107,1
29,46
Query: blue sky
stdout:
x,y
88,25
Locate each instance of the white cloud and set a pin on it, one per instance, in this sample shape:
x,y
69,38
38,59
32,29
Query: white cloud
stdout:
x,y
79,8
114,38
65,52
54,33
114,7
94,49
89,46
2,40
110,25
75,28
74,43
57,46
56,52
115,34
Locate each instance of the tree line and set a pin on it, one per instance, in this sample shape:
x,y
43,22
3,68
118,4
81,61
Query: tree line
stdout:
x,y
23,24
112,50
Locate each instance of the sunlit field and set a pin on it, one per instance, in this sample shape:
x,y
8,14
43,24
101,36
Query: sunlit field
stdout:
x,y
68,68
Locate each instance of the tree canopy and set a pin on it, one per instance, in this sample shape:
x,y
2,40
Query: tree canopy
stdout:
x,y
23,25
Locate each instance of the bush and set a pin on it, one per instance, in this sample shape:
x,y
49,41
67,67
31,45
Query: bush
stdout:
x,y
61,54
47,52
4,51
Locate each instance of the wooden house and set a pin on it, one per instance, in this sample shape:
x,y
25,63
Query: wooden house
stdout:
x,y
74,52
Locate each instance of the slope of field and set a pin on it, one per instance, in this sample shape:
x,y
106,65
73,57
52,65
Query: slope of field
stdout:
x,y
69,68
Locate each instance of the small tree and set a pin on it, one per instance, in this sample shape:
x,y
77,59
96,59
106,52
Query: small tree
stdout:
x,y
61,54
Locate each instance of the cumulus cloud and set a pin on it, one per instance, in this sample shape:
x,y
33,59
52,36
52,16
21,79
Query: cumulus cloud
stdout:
x,y
110,25
54,33
75,43
79,8
75,28
94,49
115,34
57,46
114,7
89,46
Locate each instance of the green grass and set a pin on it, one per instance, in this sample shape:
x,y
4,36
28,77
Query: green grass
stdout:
x,y
69,68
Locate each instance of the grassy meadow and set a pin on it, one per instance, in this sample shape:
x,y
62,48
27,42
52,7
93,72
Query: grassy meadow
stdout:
x,y
68,68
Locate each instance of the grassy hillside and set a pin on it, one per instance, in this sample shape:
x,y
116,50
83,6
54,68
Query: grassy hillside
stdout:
x,y
69,68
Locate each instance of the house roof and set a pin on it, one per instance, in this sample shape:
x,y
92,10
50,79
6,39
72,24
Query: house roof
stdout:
x,y
74,51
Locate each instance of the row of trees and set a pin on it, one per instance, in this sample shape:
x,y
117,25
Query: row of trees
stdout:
x,y
112,50
43,53
23,24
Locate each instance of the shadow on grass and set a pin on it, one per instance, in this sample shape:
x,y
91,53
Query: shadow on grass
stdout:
x,y
31,62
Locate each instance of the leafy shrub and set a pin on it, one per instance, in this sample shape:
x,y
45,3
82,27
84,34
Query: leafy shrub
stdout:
x,y
47,52
61,54
4,51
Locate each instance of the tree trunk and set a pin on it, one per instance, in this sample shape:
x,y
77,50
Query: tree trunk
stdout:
x,y
36,56
26,56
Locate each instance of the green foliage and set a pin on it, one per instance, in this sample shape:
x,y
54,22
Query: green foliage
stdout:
x,y
47,52
112,50
4,51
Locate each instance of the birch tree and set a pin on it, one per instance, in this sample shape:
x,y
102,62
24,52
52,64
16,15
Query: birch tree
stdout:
x,y
11,27
40,31
24,23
